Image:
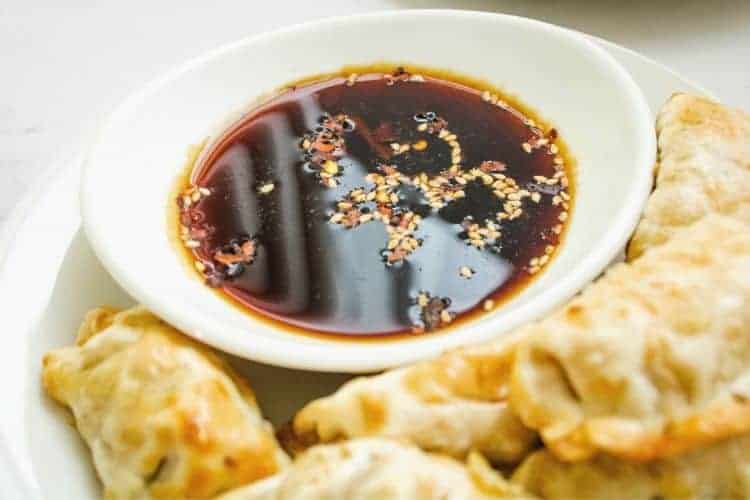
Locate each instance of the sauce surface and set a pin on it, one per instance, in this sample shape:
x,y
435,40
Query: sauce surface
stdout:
x,y
376,206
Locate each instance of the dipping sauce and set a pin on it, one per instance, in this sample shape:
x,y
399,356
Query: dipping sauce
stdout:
x,y
376,204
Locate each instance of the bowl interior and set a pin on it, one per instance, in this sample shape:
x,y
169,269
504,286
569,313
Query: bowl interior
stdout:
x,y
577,87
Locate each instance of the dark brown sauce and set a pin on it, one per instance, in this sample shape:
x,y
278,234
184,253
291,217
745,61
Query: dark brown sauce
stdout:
x,y
266,233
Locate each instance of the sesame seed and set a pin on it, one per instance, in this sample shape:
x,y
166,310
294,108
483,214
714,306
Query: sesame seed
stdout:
x,y
536,197
331,167
549,249
420,145
422,127
445,316
488,305
204,191
266,188
526,147
563,216
486,95
554,149
466,272
543,260
192,244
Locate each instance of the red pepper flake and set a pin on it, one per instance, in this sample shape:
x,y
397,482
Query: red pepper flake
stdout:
x,y
492,166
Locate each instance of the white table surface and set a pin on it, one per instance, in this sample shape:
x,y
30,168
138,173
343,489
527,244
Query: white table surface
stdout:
x,y
63,68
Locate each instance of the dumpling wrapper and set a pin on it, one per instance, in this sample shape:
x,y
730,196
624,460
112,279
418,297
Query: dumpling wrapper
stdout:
x,y
451,405
652,360
721,471
164,417
704,168
379,469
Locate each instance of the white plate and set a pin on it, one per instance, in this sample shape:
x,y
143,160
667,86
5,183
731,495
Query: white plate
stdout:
x,y
49,277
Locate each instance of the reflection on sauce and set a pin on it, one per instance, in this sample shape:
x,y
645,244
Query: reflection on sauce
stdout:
x,y
379,206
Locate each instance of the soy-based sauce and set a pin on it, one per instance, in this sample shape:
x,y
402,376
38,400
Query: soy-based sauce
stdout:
x,y
370,206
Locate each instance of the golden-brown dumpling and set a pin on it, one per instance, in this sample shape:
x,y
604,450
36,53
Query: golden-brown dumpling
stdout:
x,y
379,469
163,416
653,359
721,471
453,404
704,168
459,401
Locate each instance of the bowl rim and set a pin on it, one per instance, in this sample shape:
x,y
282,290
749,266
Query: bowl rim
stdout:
x,y
359,357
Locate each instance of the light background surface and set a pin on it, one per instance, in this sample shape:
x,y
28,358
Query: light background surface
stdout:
x,y
65,63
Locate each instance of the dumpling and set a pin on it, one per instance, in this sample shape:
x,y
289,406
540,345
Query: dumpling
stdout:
x,y
453,404
164,417
704,168
721,471
460,400
652,360
379,469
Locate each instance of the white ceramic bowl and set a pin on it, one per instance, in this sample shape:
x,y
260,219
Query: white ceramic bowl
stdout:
x,y
593,102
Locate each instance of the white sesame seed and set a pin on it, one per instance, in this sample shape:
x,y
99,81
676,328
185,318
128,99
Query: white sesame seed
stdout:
x,y
266,188
445,316
192,244
488,305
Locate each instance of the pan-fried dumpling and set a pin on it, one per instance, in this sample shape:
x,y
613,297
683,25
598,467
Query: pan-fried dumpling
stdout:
x,y
653,359
451,405
460,400
163,416
379,469
704,168
721,471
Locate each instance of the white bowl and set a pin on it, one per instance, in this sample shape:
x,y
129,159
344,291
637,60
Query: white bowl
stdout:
x,y
598,109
